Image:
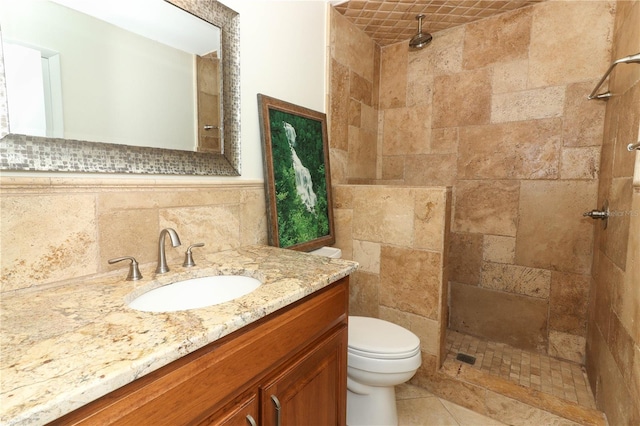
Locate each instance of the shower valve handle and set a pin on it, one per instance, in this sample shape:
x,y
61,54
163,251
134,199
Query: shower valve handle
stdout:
x,y
597,214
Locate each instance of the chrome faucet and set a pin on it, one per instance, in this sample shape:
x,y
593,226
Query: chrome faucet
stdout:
x,y
162,257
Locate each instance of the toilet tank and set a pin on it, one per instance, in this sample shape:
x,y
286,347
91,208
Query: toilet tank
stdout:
x,y
333,252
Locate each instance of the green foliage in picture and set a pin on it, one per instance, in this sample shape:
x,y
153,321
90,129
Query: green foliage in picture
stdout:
x,y
299,175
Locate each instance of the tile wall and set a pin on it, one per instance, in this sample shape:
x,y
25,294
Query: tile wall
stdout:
x,y
58,229
399,236
497,110
613,343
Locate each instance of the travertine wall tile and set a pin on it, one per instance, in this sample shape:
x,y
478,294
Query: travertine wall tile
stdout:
x,y
444,141
566,346
486,207
129,232
533,104
363,294
499,249
462,99
393,76
362,153
399,138
367,254
430,169
429,221
580,163
583,122
523,150
393,167
497,39
510,76
384,215
465,258
568,303
44,240
351,47
503,317
570,43
516,279
360,88
410,280
552,234
444,55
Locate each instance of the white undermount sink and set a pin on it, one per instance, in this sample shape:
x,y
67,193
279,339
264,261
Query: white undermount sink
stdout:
x,y
195,293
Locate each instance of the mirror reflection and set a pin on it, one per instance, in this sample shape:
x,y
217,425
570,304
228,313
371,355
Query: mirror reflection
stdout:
x,y
142,73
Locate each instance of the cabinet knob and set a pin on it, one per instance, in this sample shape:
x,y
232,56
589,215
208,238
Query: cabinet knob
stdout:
x,y
251,420
276,403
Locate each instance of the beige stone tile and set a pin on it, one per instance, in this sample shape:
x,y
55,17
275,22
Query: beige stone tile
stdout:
x,y
128,233
362,153
342,196
393,76
502,38
407,391
430,170
568,303
444,56
367,254
498,249
339,105
552,233
583,121
462,99
516,279
580,163
410,280
510,76
355,110
428,331
580,30
429,222
627,43
444,141
339,165
393,167
522,150
360,88
512,411
567,346
466,417
343,219
616,237
350,46
363,294
383,214
627,131
420,91
369,118
400,138
517,320
218,227
253,217
532,104
627,297
465,258
486,207
43,240
421,411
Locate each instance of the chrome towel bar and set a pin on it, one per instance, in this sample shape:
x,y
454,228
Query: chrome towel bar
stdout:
x,y
631,59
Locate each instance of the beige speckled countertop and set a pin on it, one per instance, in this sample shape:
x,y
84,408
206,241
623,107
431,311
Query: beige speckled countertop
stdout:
x,y
66,345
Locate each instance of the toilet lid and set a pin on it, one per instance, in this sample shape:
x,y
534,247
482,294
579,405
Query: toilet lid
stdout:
x,y
376,338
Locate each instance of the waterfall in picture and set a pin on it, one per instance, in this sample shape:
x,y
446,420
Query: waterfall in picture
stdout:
x,y
304,185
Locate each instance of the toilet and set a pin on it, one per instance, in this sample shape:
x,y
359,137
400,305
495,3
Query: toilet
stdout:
x,y
380,356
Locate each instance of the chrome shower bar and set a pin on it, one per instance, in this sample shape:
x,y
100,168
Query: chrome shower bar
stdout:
x,y
631,59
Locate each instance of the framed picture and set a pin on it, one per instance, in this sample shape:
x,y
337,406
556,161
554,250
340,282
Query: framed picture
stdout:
x,y
297,176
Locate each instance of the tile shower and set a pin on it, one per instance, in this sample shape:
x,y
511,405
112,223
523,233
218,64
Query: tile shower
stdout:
x,y
497,111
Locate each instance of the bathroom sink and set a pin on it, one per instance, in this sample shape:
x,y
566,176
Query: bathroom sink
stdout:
x,y
195,293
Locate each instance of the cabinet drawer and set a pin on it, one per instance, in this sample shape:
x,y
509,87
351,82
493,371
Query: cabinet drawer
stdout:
x,y
203,382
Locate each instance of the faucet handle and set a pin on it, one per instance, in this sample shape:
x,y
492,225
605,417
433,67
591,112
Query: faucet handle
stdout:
x,y
188,257
134,271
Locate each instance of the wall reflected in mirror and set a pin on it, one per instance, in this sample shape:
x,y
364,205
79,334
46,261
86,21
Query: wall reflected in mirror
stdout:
x,y
128,76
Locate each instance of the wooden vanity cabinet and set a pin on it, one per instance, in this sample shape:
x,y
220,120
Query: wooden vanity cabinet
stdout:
x,y
289,368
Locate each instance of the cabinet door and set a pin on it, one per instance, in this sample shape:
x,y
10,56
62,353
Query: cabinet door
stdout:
x,y
311,390
242,412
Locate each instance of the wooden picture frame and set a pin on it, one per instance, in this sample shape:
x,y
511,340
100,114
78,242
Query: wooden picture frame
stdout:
x,y
295,152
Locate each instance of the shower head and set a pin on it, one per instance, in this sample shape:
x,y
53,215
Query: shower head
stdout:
x,y
421,39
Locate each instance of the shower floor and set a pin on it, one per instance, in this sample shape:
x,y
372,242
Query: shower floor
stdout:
x,y
559,378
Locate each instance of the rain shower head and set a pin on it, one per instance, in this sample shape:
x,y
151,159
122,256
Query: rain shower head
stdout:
x,y
421,39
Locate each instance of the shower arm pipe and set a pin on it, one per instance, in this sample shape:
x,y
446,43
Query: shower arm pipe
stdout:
x,y
633,146
631,59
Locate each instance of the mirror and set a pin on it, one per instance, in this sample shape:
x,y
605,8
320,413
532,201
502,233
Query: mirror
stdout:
x,y
86,153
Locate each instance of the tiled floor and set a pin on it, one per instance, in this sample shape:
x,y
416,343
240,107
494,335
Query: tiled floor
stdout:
x,y
418,407
562,379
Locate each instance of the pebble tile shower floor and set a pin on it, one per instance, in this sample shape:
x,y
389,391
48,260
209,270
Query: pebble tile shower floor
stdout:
x,y
562,379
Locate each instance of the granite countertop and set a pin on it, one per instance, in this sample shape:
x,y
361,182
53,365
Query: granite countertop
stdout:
x,y
64,346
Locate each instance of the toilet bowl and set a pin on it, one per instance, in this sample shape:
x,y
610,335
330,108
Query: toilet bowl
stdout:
x,y
380,355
